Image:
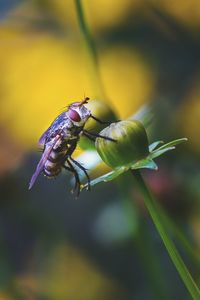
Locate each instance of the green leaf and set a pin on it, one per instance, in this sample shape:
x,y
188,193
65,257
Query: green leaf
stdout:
x,y
154,145
159,152
145,163
164,148
173,143
107,177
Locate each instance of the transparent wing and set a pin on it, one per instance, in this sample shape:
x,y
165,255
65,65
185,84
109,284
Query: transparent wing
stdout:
x,y
53,127
43,137
43,159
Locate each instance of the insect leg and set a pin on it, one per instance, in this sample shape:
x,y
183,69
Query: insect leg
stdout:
x,y
98,120
77,180
92,134
72,171
102,122
89,137
83,169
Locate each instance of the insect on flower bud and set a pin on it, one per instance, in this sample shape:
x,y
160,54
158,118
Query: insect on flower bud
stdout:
x,y
103,112
131,143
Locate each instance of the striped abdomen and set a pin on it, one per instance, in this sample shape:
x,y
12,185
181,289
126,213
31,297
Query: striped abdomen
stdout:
x,y
53,164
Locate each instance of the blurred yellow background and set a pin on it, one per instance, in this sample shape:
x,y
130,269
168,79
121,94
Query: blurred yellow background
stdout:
x,y
52,247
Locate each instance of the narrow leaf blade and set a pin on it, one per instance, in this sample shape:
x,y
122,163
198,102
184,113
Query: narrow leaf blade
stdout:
x,y
107,177
159,152
173,143
154,145
146,163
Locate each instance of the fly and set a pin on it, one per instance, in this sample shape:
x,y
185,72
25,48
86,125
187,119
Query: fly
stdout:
x,y
60,140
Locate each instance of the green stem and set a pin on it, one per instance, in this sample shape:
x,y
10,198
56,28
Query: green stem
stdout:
x,y
91,49
194,255
145,247
172,251
151,263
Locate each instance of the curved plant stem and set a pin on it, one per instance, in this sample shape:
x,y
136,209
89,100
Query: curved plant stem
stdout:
x,y
142,242
193,255
151,263
91,49
172,251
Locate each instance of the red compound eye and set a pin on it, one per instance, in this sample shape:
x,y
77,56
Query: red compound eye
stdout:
x,y
74,116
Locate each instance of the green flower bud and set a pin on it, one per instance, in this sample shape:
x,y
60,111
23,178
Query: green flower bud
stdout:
x,y
103,112
131,143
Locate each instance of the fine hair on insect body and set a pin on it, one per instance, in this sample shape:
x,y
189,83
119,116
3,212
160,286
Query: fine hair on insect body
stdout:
x,y
60,140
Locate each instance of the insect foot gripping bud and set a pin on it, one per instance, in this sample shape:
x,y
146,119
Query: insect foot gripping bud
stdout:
x,y
105,115
131,143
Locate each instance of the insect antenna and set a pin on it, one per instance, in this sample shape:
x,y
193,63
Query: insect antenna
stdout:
x,y
84,101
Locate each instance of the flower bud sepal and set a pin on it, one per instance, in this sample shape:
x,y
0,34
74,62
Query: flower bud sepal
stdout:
x,y
130,151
